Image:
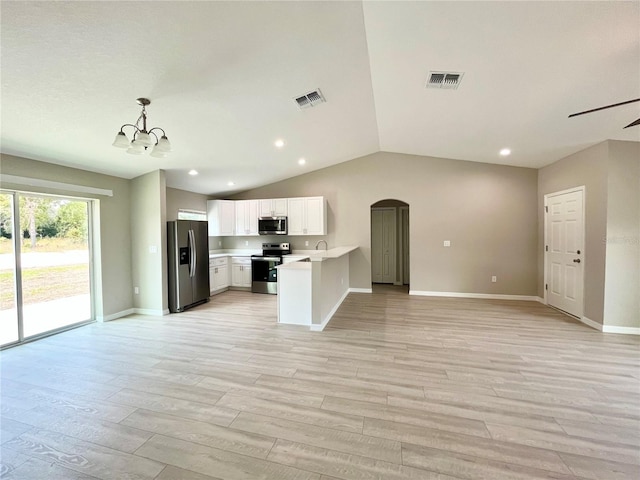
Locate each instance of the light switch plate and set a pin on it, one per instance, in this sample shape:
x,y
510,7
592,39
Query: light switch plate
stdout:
x,y
447,243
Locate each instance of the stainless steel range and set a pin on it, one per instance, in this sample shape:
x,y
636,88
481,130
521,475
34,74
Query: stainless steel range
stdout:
x,y
264,275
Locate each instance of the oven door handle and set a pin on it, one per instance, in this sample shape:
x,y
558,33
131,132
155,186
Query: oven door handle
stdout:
x,y
266,259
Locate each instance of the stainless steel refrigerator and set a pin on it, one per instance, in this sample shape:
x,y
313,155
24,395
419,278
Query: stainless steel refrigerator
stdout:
x,y
188,262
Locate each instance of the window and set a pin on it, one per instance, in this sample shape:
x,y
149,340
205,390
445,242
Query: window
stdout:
x,y
191,215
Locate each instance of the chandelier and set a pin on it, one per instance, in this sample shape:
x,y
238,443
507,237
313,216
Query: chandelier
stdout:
x,y
142,139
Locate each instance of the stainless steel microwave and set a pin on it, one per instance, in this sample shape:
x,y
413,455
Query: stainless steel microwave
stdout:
x,y
272,225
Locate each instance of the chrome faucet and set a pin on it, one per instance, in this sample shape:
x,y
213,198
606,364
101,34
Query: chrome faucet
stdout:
x,y
325,244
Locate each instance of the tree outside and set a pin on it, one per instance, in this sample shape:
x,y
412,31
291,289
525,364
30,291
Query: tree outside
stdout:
x,y
54,246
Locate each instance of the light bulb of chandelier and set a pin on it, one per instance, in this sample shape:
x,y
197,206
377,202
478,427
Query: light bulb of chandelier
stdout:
x,y
121,141
136,149
143,138
163,145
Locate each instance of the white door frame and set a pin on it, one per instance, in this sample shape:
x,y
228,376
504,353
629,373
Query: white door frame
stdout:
x,y
583,189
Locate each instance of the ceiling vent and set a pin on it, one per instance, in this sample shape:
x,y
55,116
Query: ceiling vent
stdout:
x,y
310,99
449,80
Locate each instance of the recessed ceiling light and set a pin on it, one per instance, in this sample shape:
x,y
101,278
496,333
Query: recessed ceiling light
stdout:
x,y
231,184
193,172
504,152
301,161
279,143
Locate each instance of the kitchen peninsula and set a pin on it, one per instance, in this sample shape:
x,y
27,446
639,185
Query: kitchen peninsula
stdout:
x,y
311,289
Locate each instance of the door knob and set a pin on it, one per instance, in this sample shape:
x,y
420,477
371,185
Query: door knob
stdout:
x,y
576,260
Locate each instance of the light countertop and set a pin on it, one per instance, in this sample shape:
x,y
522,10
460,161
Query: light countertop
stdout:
x,y
314,256
295,256
238,252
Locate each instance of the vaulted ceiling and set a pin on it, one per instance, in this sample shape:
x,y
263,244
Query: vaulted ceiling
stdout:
x,y
222,78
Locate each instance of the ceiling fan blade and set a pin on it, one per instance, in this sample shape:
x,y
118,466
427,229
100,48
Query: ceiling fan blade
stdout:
x,y
605,107
633,124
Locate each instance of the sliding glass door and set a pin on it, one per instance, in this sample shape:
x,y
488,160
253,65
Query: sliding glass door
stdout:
x,y
8,291
50,270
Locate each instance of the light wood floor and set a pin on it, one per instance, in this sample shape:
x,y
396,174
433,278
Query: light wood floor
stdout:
x,y
396,387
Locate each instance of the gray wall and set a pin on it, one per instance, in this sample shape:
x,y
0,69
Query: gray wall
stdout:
x,y
149,241
610,171
588,168
181,199
488,212
622,274
113,267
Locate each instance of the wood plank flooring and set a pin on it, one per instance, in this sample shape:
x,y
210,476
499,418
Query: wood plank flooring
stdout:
x,y
396,387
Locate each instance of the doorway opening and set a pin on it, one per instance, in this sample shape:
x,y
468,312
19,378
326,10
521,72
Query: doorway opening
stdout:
x,y
390,246
45,267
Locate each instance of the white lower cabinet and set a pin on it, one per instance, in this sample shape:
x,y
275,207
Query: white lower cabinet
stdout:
x,y
241,272
218,274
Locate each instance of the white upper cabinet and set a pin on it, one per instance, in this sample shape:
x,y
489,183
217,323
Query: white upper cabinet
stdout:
x,y
221,215
307,216
247,217
273,207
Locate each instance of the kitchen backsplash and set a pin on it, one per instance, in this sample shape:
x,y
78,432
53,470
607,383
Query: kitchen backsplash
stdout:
x,y
297,243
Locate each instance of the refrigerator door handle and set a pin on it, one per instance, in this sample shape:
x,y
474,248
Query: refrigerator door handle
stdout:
x,y
191,253
195,253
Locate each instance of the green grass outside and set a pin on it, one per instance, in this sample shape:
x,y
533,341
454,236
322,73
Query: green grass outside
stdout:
x,y
42,284
49,244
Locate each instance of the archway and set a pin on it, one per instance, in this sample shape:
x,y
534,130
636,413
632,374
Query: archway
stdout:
x,y
390,245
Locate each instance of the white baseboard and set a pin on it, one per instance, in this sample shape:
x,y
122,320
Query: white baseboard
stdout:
x,y
623,330
590,323
151,311
319,328
489,296
360,290
115,316
541,300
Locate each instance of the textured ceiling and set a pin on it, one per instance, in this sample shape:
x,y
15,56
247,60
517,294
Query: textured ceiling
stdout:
x,y
222,76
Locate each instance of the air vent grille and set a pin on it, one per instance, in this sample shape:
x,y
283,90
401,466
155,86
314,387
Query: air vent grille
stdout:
x,y
309,99
450,80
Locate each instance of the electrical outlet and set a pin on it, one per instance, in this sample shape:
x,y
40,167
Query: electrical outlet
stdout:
x,y
219,243
306,243
153,249
136,290
246,243
447,243
494,279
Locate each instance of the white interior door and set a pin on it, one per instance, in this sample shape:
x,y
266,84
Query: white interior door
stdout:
x,y
383,245
564,250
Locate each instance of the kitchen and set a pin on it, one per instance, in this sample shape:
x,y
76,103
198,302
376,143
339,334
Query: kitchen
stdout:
x,y
307,296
